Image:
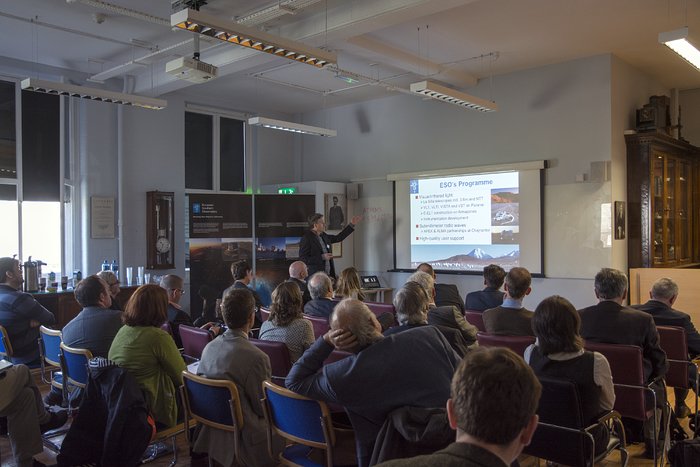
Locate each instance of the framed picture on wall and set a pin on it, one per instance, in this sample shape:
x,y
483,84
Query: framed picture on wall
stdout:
x,y
335,209
337,250
619,220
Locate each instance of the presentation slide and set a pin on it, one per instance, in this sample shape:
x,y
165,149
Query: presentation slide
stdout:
x,y
463,222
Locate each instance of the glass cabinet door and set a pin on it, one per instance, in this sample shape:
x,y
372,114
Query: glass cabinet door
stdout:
x,y
657,171
684,203
670,209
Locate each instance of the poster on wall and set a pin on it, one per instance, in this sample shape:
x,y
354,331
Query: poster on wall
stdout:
x,y
280,222
101,217
220,233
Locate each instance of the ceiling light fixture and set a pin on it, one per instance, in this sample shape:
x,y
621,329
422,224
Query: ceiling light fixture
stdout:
x,y
290,126
63,89
234,33
678,42
451,96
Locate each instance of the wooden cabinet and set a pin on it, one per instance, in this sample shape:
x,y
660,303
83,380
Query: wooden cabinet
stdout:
x,y
663,208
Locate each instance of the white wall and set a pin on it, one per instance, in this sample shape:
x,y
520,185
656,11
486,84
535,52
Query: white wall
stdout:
x,y
690,115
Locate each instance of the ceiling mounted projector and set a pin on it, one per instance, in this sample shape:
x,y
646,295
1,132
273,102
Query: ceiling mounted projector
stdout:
x,y
191,69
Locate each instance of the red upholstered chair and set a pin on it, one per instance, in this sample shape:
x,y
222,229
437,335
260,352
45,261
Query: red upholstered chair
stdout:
x,y
381,308
280,361
517,344
167,328
475,319
193,341
320,325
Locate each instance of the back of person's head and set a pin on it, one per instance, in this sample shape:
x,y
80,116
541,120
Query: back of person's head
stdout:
x,y
239,269
664,289
517,281
171,282
148,306
237,307
7,264
89,290
353,315
494,395
349,284
556,325
425,280
314,218
494,276
610,284
320,285
109,277
286,304
427,268
298,270
411,303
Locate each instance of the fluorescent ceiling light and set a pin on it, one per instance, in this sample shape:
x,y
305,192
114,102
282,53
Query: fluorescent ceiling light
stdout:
x,y
290,126
63,89
678,42
227,31
444,94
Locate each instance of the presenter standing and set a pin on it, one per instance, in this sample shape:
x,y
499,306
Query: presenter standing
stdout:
x,y
315,245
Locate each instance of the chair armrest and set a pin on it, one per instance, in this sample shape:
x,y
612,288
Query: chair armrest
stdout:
x,y
615,418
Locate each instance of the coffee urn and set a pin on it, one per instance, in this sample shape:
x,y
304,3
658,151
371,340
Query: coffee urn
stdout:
x,y
31,276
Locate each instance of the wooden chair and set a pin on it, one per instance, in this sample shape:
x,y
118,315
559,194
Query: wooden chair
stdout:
x,y
280,361
74,366
50,354
5,345
193,341
475,318
517,344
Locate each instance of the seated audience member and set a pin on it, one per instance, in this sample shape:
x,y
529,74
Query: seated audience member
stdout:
x,y
174,287
286,322
232,357
511,318
27,418
491,296
20,314
209,295
445,294
348,285
447,315
611,322
486,382
149,353
411,368
412,305
321,290
113,286
298,272
663,295
243,276
558,353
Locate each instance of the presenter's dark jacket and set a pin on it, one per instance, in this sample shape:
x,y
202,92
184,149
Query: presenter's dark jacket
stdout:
x,y
611,323
482,300
664,315
310,251
448,294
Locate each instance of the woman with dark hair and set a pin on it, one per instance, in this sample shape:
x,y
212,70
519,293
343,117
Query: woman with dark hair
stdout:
x,y
558,353
348,285
286,322
149,353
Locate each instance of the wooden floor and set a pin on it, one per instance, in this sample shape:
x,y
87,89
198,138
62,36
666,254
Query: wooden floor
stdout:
x,y
48,457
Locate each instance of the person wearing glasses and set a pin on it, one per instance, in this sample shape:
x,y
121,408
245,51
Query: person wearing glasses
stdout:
x,y
175,288
315,245
113,287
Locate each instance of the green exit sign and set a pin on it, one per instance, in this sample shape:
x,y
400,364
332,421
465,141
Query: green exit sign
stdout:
x,y
289,190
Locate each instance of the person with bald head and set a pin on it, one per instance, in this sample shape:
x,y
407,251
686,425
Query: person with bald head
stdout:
x,y
411,368
298,272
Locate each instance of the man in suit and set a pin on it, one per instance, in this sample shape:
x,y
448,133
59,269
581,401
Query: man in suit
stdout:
x,y
232,357
413,368
315,245
446,315
412,306
174,287
298,272
511,318
321,291
611,322
445,294
486,381
491,296
663,295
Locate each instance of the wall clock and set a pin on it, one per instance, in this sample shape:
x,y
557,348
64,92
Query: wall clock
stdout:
x,y
159,230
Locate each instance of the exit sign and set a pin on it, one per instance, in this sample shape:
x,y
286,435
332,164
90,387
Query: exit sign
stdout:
x,y
289,190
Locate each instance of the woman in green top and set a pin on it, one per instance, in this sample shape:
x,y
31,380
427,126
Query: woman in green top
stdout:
x,y
149,353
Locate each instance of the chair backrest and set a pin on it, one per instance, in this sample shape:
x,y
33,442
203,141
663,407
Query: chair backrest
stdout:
x,y
194,340
204,400
280,361
319,324
673,341
298,418
381,308
517,344
264,314
336,355
628,376
5,345
50,345
74,363
476,319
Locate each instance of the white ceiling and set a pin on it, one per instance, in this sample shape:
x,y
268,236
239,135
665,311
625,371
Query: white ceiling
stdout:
x,y
386,44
